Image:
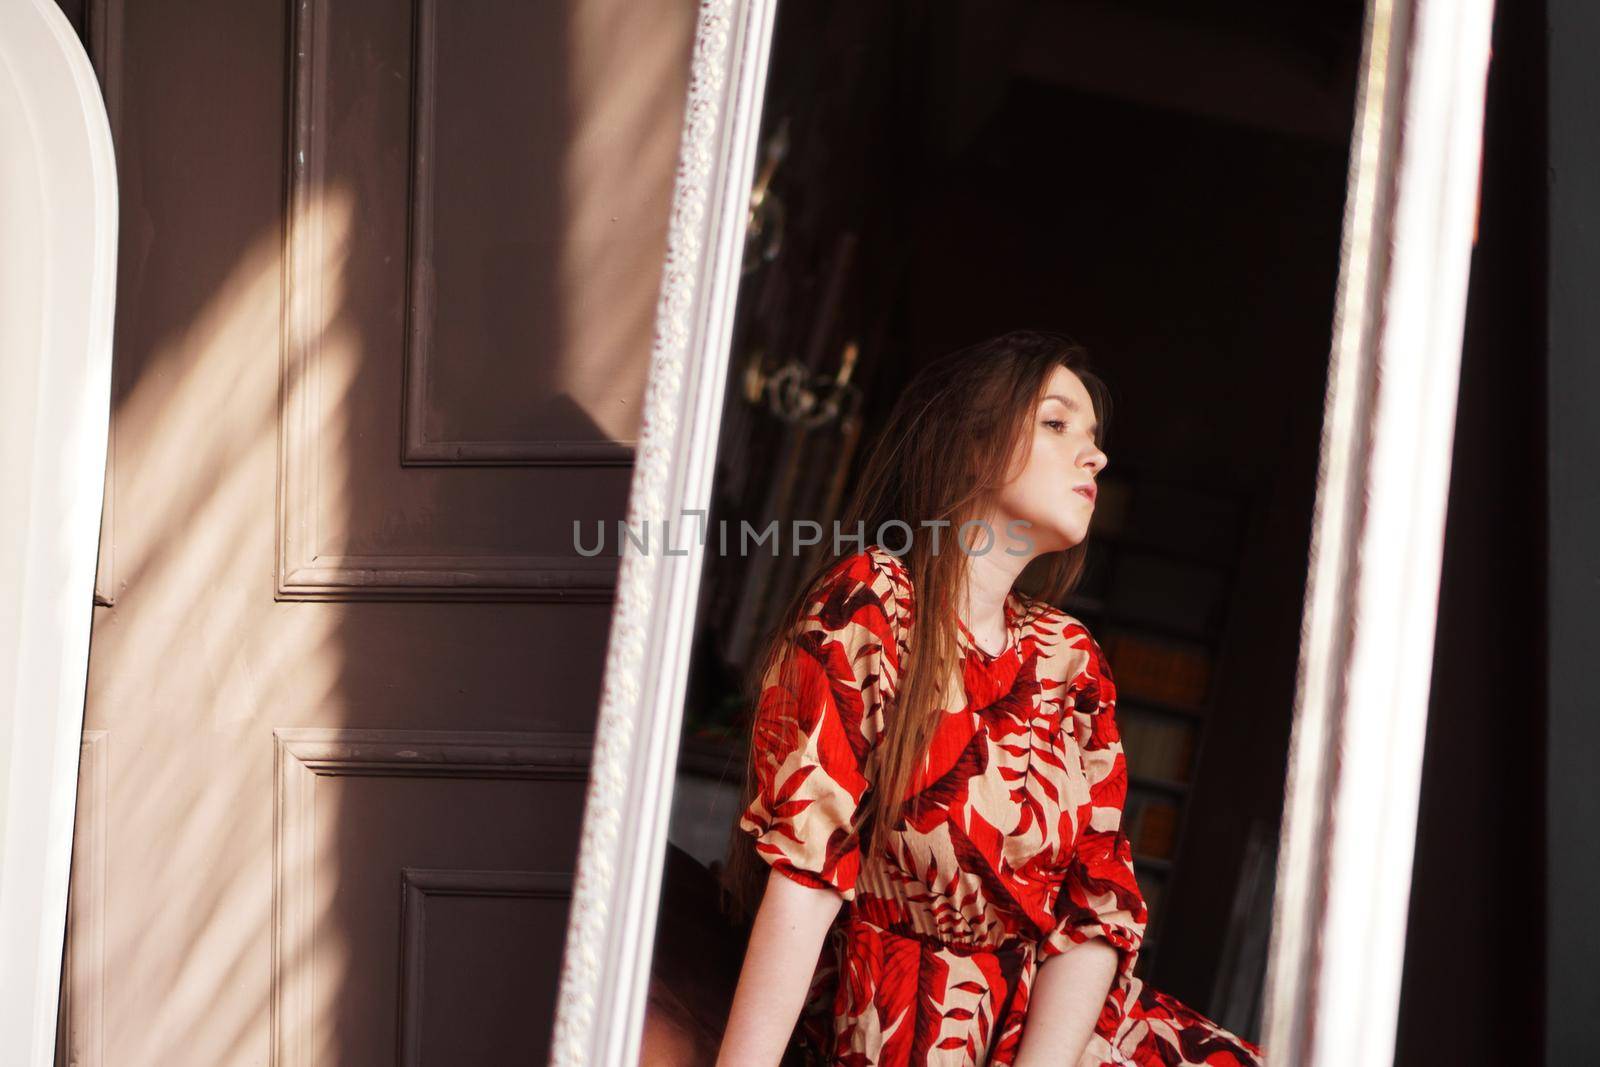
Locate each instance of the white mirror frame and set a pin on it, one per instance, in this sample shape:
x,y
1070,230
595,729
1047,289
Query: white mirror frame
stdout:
x,y
58,278
1355,765
1333,978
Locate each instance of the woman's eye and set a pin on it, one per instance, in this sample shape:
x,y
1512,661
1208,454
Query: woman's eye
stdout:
x,y
1058,425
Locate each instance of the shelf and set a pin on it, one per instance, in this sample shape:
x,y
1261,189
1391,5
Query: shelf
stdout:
x,y
1158,585
1157,707
1159,784
1122,543
1095,608
1086,605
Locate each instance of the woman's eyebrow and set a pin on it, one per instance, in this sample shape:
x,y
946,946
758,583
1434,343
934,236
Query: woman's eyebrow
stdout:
x,y
1072,405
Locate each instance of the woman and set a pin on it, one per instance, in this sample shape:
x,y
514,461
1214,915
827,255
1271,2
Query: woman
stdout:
x,y
991,916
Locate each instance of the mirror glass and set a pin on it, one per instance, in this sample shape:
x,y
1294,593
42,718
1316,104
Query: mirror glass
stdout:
x,y
1161,183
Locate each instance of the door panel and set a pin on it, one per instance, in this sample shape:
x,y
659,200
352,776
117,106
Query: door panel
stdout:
x,y
386,287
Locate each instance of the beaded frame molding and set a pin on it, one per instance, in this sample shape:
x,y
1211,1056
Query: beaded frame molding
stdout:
x,y
1334,966
605,968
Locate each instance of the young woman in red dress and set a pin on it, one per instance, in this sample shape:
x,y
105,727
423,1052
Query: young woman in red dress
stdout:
x,y
990,915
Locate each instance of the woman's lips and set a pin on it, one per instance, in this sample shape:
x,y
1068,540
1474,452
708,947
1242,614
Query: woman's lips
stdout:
x,y
1087,491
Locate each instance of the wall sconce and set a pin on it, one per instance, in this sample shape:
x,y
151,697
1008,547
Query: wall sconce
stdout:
x,y
799,397
763,238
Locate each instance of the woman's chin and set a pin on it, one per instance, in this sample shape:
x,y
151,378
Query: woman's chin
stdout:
x,y
1058,538
1074,534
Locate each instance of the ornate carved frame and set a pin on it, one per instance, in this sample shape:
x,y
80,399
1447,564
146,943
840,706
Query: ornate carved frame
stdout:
x,y
1334,972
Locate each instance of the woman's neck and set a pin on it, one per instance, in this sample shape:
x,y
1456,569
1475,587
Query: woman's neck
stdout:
x,y
989,580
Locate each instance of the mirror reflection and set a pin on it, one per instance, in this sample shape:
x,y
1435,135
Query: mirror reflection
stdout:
x,y
1063,272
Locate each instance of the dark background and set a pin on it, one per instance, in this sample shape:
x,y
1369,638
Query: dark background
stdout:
x,y
1166,184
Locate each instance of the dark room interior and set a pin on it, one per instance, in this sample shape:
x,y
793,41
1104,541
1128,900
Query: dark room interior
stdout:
x,y
1175,208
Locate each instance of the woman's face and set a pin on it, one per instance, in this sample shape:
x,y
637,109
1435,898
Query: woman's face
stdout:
x,y
1059,462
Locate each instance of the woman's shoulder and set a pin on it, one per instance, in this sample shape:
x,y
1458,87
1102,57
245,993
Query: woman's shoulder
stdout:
x,y
1070,639
888,565
869,576
862,599
1056,619
876,568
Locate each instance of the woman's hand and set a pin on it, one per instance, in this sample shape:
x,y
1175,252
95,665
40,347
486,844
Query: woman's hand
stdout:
x,y
785,941
1068,992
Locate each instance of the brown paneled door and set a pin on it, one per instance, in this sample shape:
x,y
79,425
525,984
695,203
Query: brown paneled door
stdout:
x,y
387,279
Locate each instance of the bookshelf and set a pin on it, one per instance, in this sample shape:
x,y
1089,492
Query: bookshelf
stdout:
x,y
1162,569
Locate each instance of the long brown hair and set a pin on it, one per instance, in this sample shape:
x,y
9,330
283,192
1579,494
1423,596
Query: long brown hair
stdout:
x,y
942,453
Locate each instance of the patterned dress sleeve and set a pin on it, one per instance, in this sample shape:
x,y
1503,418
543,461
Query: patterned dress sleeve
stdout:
x,y
819,715
1099,896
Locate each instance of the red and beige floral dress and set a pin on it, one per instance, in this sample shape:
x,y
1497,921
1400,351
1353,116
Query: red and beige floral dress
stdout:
x,y
1018,853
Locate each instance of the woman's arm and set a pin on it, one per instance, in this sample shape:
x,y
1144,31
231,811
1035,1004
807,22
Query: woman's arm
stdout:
x,y
1068,992
785,941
